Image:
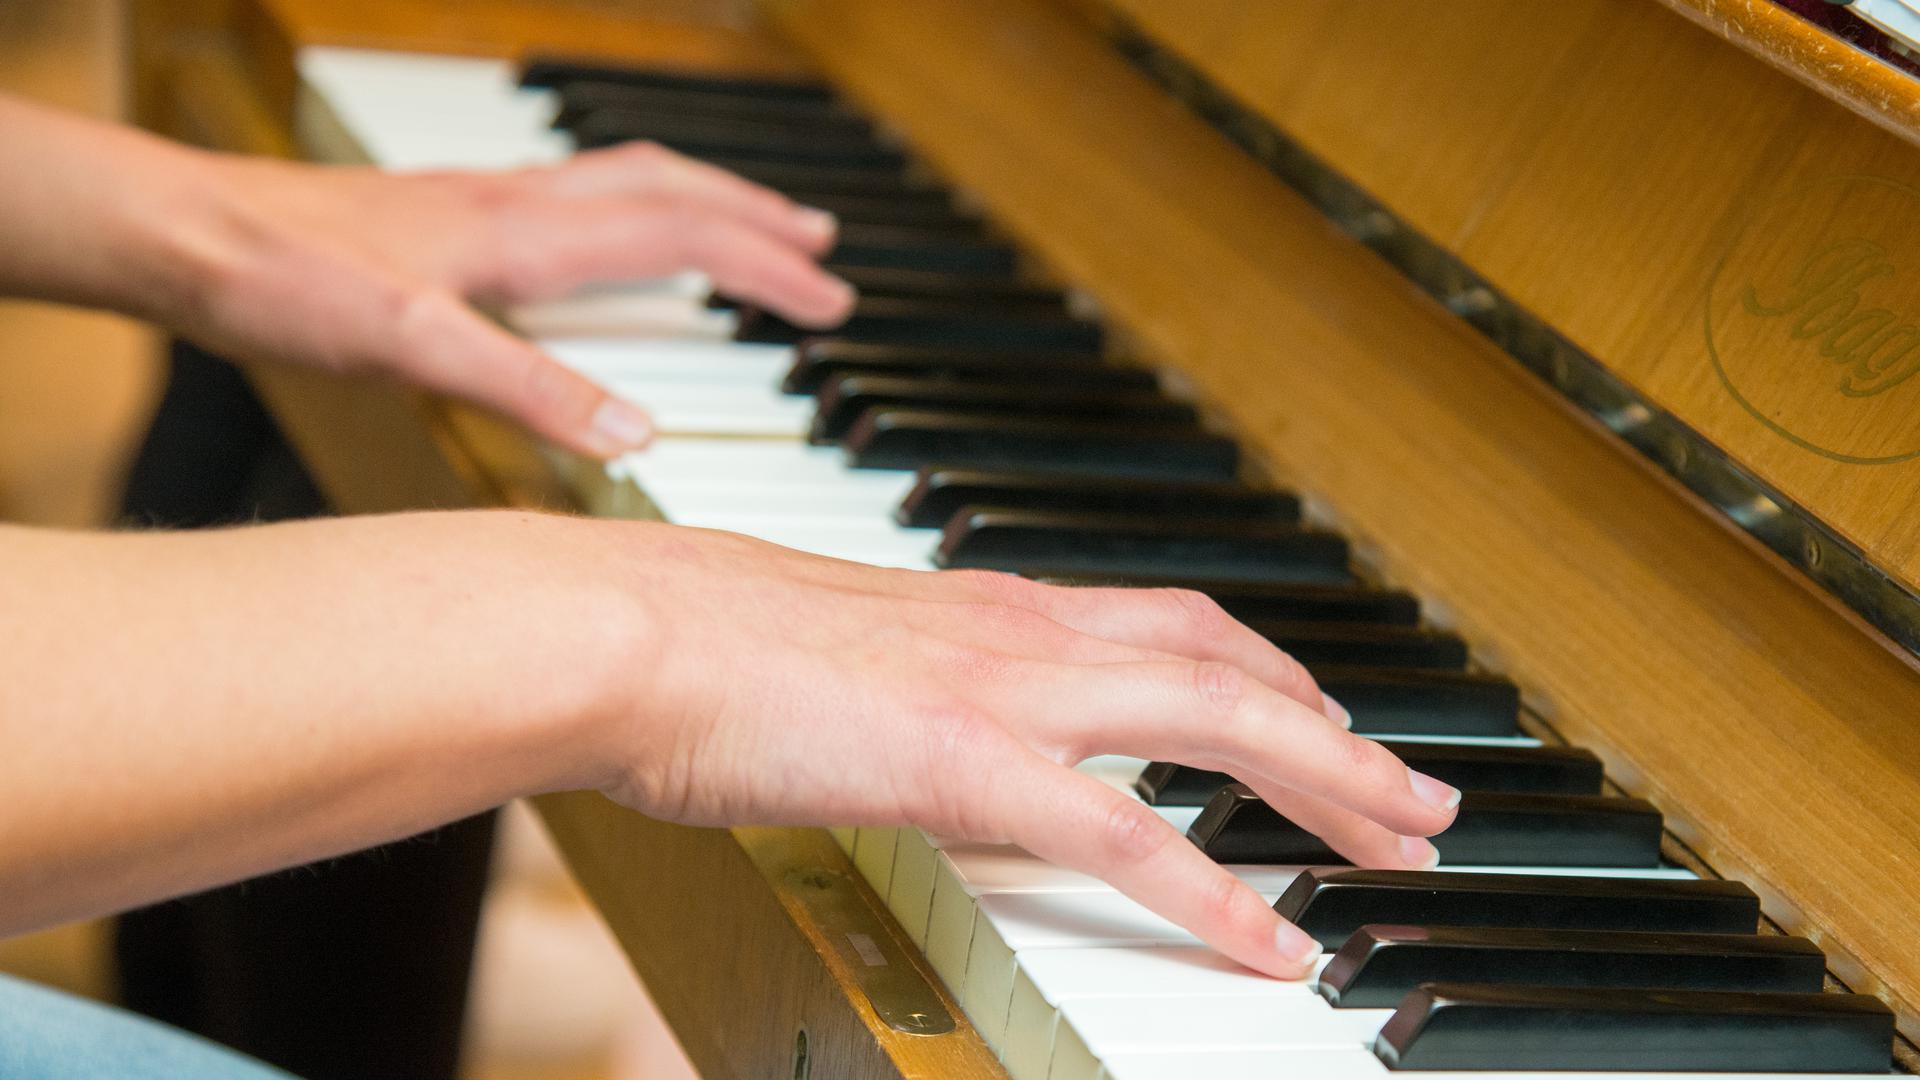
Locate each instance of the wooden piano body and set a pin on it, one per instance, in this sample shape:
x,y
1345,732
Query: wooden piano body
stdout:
x,y
1586,318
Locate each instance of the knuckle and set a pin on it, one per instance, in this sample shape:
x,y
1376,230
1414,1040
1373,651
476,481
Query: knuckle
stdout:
x,y
1294,677
1195,612
950,730
1220,900
1362,757
504,193
991,584
546,385
1221,688
1131,833
417,314
975,663
1008,619
949,733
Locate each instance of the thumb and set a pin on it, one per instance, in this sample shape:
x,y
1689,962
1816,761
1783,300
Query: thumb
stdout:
x,y
451,348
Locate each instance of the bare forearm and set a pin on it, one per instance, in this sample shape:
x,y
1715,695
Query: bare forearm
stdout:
x,y
178,711
96,214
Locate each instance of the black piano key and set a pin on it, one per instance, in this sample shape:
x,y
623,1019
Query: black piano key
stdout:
x,y
823,179
1379,965
1518,769
910,438
818,360
997,539
1248,600
746,139
792,179
941,493
1386,702
999,292
581,97
1468,1026
1362,645
961,323
1002,291
1490,829
876,210
892,247
1525,770
844,400
557,71
1331,903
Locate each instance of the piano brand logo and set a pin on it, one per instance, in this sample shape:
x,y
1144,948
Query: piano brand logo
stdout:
x,y
1873,349
1812,327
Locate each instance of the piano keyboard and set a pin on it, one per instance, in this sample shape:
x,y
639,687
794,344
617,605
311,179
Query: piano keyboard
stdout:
x,y
967,418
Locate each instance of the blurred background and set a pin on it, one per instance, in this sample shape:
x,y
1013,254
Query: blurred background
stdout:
x,y
552,998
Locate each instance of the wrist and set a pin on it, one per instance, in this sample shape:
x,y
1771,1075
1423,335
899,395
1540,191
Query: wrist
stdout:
x,y
575,640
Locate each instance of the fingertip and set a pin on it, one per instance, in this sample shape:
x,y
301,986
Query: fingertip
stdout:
x,y
817,227
834,305
1437,794
1335,711
618,427
1418,853
1297,951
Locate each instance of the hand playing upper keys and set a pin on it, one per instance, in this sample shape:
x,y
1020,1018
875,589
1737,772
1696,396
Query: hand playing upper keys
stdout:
x,y
358,271
362,271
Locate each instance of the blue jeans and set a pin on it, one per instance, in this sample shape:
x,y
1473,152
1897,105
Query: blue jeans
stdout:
x,y
47,1035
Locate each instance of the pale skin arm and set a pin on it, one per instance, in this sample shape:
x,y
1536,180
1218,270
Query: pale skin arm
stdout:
x,y
359,272
182,710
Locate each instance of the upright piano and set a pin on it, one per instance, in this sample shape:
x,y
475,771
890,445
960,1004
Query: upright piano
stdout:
x,y
1539,372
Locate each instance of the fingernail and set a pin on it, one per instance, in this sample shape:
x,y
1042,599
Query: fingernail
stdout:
x,y
818,222
625,426
1297,946
1419,853
1438,795
839,304
1335,711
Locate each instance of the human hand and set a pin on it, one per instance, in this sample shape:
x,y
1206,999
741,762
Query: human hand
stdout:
x,y
788,688
358,271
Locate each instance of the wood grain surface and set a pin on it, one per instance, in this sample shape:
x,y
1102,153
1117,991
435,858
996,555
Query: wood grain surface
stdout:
x,y
1778,735
1626,175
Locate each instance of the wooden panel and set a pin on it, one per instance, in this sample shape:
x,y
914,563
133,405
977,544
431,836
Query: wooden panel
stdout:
x,y
692,33
1777,734
733,971
1855,79
1599,163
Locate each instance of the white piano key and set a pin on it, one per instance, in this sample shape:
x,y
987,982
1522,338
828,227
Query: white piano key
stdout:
x,y
717,408
773,462
916,856
873,546
1357,1063
1090,1030
1044,979
1114,769
921,861
410,111
1006,924
669,309
873,499
975,894
643,361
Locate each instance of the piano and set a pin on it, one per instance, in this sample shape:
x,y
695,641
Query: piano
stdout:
x,y
1535,372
